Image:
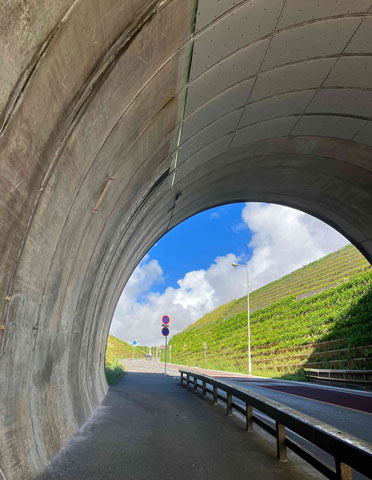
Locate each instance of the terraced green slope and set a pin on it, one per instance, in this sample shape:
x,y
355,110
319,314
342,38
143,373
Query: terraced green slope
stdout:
x,y
325,273
331,329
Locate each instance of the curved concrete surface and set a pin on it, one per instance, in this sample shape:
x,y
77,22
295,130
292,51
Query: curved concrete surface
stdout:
x,y
120,119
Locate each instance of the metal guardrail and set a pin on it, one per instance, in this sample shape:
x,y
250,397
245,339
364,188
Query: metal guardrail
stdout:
x,y
348,451
355,378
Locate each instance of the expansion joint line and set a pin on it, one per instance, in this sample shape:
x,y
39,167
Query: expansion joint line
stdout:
x,y
188,72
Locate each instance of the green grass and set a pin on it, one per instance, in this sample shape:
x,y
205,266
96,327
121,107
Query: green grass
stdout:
x,y
327,272
116,350
340,313
114,371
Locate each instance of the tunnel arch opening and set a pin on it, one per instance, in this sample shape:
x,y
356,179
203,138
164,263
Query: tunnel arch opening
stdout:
x,y
70,237
185,262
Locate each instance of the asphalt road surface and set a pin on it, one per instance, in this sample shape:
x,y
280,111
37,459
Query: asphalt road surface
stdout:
x,y
150,428
346,409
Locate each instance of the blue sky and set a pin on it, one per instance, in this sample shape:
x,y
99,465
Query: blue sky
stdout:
x,y
195,243
189,273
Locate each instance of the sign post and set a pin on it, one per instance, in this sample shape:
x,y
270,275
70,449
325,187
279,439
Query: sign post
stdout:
x,y
165,358
165,332
134,344
205,354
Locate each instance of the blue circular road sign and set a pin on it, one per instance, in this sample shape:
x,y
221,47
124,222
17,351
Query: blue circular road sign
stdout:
x,y
134,342
165,331
165,319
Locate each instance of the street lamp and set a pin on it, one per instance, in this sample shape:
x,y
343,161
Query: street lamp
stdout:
x,y
248,318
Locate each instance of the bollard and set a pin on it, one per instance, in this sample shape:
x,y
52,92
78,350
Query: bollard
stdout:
x,y
281,448
229,404
215,397
249,418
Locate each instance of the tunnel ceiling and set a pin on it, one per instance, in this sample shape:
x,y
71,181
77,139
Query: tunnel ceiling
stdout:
x,y
120,119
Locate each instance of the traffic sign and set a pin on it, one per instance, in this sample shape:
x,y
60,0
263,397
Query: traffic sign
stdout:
x,y
165,331
134,342
165,319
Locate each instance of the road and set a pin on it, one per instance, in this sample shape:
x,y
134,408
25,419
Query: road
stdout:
x,y
346,409
149,427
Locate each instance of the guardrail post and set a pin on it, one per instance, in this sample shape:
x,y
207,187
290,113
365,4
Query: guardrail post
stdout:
x,y
187,379
181,379
204,388
249,418
281,449
195,384
215,397
229,404
343,471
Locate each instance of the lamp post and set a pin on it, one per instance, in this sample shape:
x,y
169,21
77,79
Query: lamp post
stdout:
x,y
248,318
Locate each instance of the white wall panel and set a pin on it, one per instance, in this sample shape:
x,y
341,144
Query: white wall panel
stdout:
x,y
210,10
280,127
302,76
362,40
279,106
224,103
353,72
298,11
246,24
342,100
219,128
317,39
328,126
234,69
204,155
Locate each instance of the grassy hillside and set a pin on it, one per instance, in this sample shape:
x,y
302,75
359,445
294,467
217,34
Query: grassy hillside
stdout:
x,y
325,273
116,350
331,329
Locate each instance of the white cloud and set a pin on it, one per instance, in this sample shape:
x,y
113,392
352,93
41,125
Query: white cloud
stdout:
x,y
283,239
198,292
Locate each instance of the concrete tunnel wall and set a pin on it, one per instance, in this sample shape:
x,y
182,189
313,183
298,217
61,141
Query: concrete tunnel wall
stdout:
x,y
185,105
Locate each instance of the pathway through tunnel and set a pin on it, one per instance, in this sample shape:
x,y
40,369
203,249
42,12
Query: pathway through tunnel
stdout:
x,y
149,427
119,120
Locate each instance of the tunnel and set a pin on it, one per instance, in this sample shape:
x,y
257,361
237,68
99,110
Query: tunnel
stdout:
x,y
121,119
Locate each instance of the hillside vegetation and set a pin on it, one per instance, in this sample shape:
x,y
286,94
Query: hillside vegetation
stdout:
x,y
116,350
330,329
327,272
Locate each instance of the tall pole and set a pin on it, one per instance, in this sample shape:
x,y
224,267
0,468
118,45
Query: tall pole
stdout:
x,y
165,360
249,327
133,353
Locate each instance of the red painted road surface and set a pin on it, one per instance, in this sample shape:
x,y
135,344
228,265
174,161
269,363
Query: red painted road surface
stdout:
x,y
355,401
349,400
